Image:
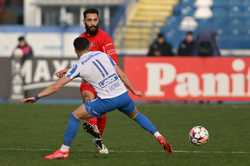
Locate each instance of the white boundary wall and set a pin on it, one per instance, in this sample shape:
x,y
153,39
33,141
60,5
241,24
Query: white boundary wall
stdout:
x,y
43,43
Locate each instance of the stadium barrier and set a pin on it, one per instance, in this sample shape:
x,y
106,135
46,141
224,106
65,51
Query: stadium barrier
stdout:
x,y
190,78
160,78
33,75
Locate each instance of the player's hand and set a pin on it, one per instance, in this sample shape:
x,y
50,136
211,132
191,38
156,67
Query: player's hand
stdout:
x,y
61,73
138,93
29,100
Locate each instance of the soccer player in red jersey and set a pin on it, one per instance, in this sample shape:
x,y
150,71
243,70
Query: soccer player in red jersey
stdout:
x,y
99,41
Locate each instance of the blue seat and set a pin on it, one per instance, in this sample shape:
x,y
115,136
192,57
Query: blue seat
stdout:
x,y
235,2
220,3
231,20
237,11
243,2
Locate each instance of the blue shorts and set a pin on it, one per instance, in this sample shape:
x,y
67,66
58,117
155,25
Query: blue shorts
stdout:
x,y
99,106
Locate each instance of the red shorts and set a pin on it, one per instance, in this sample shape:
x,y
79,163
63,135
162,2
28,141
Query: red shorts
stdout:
x,y
87,87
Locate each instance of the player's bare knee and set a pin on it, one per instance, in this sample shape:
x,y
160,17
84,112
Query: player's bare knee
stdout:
x,y
76,114
81,113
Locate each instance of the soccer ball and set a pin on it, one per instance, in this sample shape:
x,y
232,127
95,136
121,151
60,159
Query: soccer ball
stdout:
x,y
198,135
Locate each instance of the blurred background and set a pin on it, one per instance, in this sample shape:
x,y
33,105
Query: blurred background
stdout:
x,y
146,29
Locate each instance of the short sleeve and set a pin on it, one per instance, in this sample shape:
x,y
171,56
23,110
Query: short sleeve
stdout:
x,y
74,71
108,47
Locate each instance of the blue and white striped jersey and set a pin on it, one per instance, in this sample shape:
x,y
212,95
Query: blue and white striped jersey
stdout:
x,y
97,68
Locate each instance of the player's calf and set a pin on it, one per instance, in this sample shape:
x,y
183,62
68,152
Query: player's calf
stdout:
x,y
145,123
93,131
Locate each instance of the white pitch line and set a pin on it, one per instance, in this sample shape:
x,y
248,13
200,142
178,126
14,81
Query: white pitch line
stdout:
x,y
213,152
126,151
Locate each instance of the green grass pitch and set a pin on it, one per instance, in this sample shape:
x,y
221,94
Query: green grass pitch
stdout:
x,y
28,132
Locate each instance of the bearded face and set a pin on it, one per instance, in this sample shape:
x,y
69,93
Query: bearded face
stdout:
x,y
91,22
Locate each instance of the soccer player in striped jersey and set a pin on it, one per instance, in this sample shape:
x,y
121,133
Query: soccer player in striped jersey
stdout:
x,y
111,85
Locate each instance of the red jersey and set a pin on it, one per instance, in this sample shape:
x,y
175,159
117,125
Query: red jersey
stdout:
x,y
101,42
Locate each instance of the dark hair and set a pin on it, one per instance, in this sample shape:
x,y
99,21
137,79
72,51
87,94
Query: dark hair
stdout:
x,y
91,10
81,44
189,33
160,35
21,38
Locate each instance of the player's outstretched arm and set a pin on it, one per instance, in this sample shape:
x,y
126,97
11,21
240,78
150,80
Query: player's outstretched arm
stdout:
x,y
126,81
49,90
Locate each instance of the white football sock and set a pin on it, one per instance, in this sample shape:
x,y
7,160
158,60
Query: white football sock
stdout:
x,y
157,134
65,148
